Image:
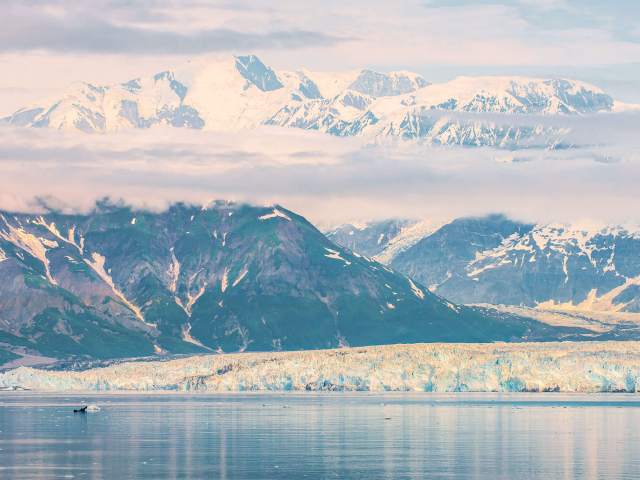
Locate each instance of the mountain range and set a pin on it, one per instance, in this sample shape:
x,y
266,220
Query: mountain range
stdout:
x,y
496,260
118,282
236,93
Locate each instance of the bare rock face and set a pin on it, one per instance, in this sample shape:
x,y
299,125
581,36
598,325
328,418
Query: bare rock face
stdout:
x,y
496,260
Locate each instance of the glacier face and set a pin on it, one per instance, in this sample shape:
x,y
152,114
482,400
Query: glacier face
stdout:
x,y
242,92
566,367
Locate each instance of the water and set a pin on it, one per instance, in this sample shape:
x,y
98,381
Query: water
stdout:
x,y
294,436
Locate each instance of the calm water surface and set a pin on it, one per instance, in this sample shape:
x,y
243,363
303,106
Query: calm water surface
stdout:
x,y
291,436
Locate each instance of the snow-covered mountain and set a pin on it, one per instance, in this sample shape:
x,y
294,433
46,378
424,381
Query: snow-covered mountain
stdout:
x,y
368,239
499,261
225,94
242,92
123,283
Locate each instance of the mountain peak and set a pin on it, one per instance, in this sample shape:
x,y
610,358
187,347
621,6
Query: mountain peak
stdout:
x,y
126,282
390,84
257,73
493,259
233,93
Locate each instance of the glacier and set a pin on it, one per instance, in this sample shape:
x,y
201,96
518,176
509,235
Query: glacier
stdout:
x,y
581,367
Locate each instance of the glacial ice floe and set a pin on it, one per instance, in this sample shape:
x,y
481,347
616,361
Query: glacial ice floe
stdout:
x,y
499,367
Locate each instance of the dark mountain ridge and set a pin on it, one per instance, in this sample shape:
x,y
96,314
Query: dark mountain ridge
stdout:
x,y
118,282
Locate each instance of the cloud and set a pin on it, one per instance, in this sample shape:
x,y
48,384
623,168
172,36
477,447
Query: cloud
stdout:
x,y
27,29
576,130
47,44
327,32
616,17
329,180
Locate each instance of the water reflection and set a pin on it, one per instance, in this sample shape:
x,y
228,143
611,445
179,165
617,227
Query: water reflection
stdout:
x,y
321,436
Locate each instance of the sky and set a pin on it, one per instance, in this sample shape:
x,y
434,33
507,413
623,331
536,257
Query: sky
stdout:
x,y
45,45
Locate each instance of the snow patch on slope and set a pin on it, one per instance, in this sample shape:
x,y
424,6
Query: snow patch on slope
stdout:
x,y
224,283
241,275
408,236
335,255
416,291
36,247
186,336
97,263
51,227
191,298
274,214
173,273
593,302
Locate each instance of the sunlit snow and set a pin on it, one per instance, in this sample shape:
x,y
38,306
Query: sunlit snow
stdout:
x,y
566,366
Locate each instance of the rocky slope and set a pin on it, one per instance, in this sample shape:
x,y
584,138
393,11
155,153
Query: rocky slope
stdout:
x,y
497,260
122,283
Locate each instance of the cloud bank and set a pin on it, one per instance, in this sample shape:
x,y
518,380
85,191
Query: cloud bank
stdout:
x,y
330,180
26,29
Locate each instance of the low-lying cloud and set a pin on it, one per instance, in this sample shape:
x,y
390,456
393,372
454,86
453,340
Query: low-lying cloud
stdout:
x,y
330,180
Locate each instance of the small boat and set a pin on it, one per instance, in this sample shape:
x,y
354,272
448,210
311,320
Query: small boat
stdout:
x,y
87,409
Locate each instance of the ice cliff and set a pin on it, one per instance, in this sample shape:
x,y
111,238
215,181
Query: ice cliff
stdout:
x,y
498,367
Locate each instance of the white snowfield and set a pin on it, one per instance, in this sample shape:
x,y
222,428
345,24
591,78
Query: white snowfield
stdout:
x,y
499,367
234,94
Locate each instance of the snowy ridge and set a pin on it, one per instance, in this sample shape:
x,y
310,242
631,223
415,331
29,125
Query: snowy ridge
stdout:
x,y
422,114
408,237
579,267
514,95
237,93
596,245
557,367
